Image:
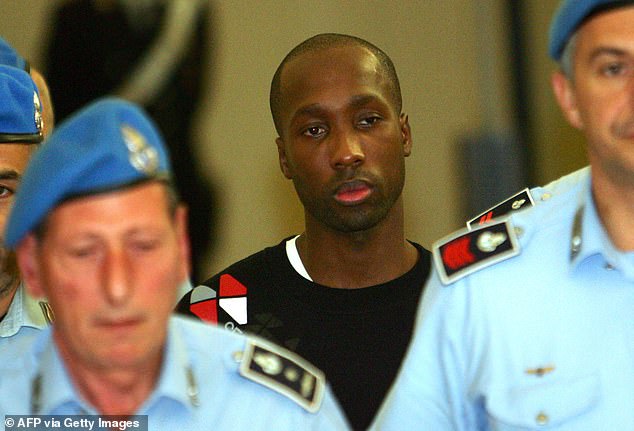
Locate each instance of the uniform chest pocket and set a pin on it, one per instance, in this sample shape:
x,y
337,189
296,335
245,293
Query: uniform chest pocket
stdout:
x,y
546,404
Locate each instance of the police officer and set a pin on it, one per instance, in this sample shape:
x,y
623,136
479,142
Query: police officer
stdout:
x,y
99,230
21,130
526,321
10,57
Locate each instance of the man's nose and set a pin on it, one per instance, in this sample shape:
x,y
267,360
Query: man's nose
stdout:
x,y
118,283
347,150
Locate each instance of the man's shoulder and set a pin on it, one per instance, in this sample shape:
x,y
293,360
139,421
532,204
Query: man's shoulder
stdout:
x,y
251,364
252,265
505,241
525,199
223,297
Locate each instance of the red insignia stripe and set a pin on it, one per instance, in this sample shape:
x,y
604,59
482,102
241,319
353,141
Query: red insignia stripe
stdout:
x,y
485,218
456,254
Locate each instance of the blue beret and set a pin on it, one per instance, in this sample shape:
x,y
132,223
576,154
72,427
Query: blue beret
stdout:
x,y
10,57
20,110
107,145
568,18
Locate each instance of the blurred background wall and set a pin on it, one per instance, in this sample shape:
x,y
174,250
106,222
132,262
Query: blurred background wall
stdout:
x,y
459,79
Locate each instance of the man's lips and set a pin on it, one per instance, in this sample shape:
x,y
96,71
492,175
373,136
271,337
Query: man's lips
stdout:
x,y
352,192
120,323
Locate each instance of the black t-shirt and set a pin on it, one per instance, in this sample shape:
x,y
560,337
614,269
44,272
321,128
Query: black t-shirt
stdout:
x,y
358,337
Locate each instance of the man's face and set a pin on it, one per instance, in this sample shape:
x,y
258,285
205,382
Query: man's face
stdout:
x,y
110,265
343,142
600,100
13,161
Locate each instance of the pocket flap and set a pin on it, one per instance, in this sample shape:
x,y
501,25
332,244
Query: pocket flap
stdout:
x,y
544,403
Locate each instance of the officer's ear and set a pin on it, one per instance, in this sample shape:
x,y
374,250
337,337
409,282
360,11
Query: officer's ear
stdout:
x,y
27,256
281,154
565,94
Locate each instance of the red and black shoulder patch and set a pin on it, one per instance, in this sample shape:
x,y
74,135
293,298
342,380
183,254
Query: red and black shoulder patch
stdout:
x,y
522,199
465,252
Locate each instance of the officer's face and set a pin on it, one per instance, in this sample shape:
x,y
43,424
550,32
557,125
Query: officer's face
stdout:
x,y
343,142
13,161
110,265
600,100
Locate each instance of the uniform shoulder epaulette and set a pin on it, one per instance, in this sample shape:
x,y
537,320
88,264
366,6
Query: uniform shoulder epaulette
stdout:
x,y
522,199
284,372
467,251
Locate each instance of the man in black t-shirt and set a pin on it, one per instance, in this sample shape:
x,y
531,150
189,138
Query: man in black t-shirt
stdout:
x,y
344,293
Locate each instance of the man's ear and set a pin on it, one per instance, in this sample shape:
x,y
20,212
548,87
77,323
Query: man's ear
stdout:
x,y
27,254
184,247
566,98
406,134
281,154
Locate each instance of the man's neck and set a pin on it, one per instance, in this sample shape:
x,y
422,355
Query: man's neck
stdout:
x,y
352,260
615,207
116,391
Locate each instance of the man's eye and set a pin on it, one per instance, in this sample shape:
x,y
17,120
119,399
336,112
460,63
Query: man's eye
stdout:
x,y
314,131
145,245
5,192
82,252
613,69
370,120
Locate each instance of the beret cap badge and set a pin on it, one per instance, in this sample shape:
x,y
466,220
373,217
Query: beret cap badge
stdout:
x,y
39,120
143,157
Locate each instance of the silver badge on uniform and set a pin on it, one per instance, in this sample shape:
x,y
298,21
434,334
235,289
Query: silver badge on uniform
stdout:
x,y
489,241
39,120
143,157
284,372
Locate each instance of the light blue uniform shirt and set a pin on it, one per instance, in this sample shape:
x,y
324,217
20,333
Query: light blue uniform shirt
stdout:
x,y
226,400
23,316
561,186
542,340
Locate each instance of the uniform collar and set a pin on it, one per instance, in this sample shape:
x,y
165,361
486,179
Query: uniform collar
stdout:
x,y
177,383
590,243
23,311
57,394
52,391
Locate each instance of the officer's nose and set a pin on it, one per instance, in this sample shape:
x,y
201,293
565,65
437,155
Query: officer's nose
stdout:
x,y
117,277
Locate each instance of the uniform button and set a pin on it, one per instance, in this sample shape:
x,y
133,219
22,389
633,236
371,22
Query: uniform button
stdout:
x,y
609,267
541,418
546,196
237,356
519,231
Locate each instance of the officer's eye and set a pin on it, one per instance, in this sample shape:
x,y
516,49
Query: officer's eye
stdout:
x,y
145,245
82,251
613,69
5,192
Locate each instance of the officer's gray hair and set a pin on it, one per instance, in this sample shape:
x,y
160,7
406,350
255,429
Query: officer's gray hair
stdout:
x,y
566,61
